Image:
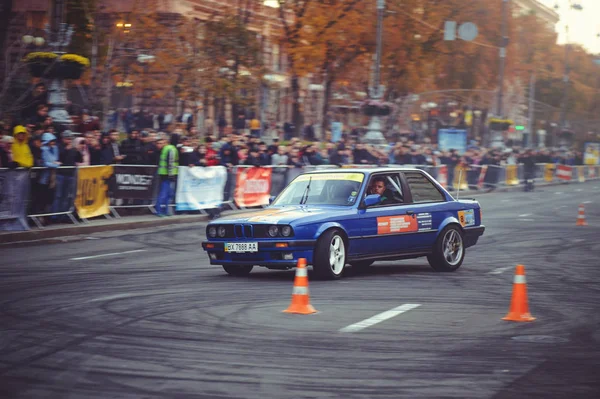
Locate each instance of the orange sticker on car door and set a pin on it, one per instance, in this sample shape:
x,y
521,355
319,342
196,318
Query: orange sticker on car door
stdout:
x,y
396,224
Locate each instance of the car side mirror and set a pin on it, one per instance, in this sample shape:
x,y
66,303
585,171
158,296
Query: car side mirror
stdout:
x,y
372,199
271,199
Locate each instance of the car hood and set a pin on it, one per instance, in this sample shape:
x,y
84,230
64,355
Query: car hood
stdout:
x,y
280,215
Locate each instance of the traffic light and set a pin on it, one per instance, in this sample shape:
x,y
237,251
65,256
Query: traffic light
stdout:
x,y
500,124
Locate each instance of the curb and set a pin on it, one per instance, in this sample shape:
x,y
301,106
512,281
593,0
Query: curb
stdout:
x,y
75,230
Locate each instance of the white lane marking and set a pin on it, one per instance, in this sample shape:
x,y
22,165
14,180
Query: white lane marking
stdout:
x,y
500,270
112,254
587,202
504,200
525,220
558,192
525,215
111,297
579,190
378,318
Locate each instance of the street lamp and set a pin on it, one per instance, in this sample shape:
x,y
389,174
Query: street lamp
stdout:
x,y
374,134
29,39
566,78
59,36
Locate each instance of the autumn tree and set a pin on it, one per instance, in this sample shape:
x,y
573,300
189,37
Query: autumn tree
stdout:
x,y
144,52
311,35
233,55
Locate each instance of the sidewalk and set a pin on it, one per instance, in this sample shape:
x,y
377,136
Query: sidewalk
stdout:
x,y
146,221
97,226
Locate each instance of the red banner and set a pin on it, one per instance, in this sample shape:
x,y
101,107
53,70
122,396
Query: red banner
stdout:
x,y
252,186
564,172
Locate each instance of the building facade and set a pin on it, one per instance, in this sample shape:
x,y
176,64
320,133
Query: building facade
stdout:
x,y
543,12
28,17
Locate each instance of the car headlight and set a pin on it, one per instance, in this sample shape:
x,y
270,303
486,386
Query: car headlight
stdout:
x,y
212,231
222,231
273,231
286,231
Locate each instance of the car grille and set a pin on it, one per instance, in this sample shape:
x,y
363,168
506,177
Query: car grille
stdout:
x,y
243,231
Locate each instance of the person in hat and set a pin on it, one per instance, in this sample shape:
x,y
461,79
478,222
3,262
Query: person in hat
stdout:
x,y
47,181
21,152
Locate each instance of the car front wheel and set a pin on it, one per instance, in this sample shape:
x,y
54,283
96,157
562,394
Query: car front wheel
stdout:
x,y
330,255
237,270
448,251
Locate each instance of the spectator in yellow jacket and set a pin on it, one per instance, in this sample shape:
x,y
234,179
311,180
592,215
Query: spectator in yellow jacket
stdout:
x,y
21,152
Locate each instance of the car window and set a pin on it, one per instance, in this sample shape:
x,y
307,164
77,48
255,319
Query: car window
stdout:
x,y
322,189
391,186
422,189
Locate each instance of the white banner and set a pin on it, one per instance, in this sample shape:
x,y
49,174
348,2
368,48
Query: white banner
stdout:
x,y
200,187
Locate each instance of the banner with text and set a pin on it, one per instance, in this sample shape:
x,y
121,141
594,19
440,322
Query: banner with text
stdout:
x,y
133,182
14,190
252,186
92,191
200,188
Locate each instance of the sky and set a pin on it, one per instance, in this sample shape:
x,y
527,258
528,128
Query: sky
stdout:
x,y
583,25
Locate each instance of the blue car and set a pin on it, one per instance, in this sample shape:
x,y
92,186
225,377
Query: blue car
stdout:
x,y
337,217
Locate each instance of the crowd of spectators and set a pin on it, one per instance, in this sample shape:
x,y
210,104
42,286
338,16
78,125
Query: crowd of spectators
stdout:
x,y
35,141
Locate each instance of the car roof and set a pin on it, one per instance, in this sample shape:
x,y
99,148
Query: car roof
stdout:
x,y
363,170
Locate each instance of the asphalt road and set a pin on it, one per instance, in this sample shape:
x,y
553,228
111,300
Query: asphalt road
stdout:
x,y
150,318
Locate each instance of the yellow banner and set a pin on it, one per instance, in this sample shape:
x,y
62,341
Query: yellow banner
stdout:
x,y
92,186
549,172
512,175
581,173
464,185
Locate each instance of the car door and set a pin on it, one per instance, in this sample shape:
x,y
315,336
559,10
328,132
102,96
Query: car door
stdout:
x,y
426,204
385,226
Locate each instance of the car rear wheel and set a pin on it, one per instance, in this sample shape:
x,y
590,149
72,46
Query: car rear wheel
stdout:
x,y
448,250
237,270
330,255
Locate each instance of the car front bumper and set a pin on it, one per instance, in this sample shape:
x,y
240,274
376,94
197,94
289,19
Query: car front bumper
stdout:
x,y
268,254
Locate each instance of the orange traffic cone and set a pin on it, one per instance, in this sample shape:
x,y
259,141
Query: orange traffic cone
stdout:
x,y
300,300
581,216
519,309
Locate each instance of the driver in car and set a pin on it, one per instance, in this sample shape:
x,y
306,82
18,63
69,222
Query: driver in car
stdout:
x,y
378,187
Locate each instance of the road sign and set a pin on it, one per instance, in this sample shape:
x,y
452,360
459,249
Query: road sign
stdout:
x,y
450,30
468,31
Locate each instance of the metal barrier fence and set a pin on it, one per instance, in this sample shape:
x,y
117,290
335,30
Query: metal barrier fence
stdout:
x,y
60,183
474,177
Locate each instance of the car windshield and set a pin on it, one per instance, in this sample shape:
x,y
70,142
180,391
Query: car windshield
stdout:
x,y
322,189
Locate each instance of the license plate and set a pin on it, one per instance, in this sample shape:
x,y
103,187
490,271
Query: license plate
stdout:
x,y
241,247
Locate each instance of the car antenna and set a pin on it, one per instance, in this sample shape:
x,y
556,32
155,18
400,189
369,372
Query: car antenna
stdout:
x,y
459,181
